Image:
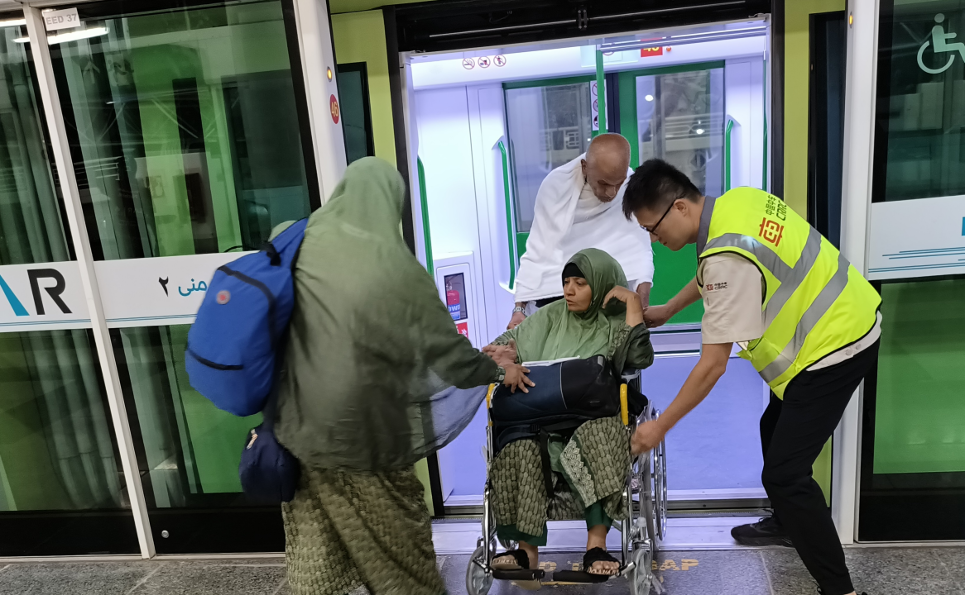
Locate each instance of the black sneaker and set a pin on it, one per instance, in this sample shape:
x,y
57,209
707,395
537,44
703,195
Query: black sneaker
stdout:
x,y
766,531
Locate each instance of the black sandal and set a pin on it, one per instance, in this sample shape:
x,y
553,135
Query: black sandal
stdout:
x,y
520,557
596,555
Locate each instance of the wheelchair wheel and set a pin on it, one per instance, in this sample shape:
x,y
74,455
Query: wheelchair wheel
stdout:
x,y
642,576
478,580
647,469
660,490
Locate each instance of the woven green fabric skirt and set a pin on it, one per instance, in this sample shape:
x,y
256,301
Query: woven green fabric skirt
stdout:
x,y
345,531
589,475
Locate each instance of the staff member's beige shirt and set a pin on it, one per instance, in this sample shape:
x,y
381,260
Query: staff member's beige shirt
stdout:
x,y
733,291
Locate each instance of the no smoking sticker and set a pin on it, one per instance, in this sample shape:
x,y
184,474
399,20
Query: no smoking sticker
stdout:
x,y
468,63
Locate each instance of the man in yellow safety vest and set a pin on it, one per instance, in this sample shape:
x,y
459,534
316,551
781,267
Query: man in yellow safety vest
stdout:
x,y
805,318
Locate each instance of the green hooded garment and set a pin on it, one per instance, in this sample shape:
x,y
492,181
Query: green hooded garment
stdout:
x,y
375,375
554,332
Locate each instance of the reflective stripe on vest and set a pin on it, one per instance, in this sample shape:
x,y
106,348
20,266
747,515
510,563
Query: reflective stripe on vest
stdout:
x,y
791,278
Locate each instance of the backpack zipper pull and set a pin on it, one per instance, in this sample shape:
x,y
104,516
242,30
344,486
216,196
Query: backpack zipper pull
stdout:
x,y
252,442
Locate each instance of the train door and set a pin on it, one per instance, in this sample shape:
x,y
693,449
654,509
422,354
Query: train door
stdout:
x,y
485,126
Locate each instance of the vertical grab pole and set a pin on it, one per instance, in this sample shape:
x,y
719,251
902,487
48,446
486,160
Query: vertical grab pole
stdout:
x,y
601,101
510,221
728,127
424,207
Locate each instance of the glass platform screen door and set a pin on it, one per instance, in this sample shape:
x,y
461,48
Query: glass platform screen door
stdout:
x,y
186,133
677,114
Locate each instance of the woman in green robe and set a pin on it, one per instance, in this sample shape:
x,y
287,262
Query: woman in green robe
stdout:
x,y
368,388
599,316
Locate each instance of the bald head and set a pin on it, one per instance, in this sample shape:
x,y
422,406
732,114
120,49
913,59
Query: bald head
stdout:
x,y
605,167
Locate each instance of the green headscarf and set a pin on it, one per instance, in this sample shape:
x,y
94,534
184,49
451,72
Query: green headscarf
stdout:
x,y
373,353
554,332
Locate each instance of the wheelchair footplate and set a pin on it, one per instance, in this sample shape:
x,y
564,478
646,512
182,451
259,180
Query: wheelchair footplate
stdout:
x,y
580,577
518,574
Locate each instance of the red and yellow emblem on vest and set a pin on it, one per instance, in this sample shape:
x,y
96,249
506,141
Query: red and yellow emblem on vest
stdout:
x,y
334,108
771,231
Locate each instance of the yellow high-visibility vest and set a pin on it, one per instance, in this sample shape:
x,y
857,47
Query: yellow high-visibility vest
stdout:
x,y
815,302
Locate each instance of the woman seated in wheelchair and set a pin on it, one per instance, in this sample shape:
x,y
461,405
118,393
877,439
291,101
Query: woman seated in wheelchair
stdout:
x,y
599,316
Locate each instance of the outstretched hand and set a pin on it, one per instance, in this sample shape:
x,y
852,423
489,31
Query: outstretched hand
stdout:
x,y
655,316
502,355
647,436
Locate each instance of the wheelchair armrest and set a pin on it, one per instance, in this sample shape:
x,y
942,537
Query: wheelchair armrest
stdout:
x,y
625,412
629,374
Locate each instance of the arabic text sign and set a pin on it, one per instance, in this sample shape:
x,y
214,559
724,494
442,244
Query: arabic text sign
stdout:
x,y
159,291
135,293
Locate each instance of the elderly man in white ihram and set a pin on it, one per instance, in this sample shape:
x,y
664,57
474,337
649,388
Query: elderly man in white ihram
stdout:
x,y
579,206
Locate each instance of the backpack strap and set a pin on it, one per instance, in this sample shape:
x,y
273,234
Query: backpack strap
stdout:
x,y
274,258
270,411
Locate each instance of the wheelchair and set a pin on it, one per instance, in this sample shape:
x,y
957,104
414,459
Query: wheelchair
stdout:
x,y
641,533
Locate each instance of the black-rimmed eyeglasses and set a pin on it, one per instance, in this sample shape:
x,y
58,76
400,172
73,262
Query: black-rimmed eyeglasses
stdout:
x,y
651,230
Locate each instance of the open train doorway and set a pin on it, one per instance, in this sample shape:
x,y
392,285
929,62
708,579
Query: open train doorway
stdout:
x,y
486,125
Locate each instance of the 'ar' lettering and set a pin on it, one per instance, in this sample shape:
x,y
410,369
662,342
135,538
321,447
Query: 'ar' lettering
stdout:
x,y
53,291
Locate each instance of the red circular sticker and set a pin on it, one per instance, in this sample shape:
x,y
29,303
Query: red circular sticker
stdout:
x,y
334,108
223,297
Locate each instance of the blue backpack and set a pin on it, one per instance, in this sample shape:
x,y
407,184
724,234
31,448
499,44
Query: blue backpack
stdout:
x,y
232,346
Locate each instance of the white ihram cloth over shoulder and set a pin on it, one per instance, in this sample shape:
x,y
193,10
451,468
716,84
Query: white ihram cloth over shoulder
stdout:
x,y
566,221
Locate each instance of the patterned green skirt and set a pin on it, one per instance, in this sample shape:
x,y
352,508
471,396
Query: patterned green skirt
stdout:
x,y
345,531
590,469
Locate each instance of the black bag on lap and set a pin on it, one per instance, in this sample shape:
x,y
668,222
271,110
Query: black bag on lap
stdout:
x,y
566,394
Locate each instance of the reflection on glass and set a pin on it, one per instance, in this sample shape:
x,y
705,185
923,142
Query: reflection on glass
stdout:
x,y
920,114
354,110
183,129
57,449
912,428
31,228
548,127
919,389
56,443
680,119
191,450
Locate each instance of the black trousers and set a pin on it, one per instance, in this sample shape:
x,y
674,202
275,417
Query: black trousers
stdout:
x,y
793,432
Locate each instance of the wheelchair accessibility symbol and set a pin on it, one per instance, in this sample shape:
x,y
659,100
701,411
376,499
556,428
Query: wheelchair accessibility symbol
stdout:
x,y
939,39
